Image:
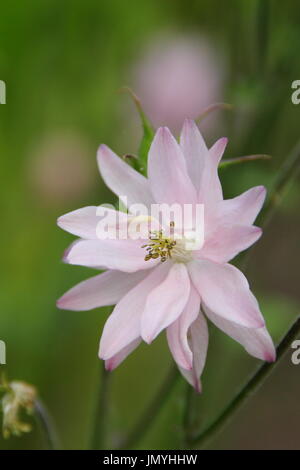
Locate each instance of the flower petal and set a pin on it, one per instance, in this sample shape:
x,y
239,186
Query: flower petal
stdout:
x,y
242,209
166,302
210,188
124,324
167,171
225,290
227,242
122,179
115,361
198,344
104,289
194,150
178,330
85,222
121,255
256,341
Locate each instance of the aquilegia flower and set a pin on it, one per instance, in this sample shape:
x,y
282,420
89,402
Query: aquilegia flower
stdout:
x,y
177,78
159,283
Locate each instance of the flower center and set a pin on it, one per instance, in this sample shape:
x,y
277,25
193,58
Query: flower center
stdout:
x,y
159,246
171,246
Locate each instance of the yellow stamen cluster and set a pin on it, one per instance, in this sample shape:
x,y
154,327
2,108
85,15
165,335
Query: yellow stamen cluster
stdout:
x,y
159,246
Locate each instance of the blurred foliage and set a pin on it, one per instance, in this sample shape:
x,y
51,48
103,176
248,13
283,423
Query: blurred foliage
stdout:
x,y
63,63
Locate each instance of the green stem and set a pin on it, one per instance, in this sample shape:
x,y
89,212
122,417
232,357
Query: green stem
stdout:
x,y
147,419
211,108
46,425
247,158
286,173
100,424
188,421
200,440
262,26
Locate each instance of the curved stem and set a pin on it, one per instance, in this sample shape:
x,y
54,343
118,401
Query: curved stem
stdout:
x,y
99,431
188,421
262,373
147,419
286,173
47,426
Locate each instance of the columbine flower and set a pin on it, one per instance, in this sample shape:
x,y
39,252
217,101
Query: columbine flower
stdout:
x,y
177,289
18,397
177,78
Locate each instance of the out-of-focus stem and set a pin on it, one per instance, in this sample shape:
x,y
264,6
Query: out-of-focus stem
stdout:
x,y
286,173
213,107
101,412
247,158
262,27
147,419
46,425
200,440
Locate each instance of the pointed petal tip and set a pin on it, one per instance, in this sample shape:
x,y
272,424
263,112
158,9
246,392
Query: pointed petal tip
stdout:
x,y
198,387
163,133
188,122
59,221
109,365
102,152
65,256
223,141
148,338
60,303
261,189
270,356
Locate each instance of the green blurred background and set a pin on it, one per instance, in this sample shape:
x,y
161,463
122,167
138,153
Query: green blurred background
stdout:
x,y
63,63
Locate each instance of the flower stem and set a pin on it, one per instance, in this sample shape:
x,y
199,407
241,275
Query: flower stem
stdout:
x,y
286,173
200,440
147,419
46,425
100,424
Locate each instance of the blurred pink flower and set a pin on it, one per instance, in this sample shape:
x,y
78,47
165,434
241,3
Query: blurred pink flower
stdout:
x,y
60,170
178,78
151,295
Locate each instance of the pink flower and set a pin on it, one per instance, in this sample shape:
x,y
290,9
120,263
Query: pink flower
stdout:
x,y
176,295
178,78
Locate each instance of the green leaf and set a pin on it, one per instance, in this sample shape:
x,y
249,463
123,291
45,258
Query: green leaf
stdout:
x,y
148,134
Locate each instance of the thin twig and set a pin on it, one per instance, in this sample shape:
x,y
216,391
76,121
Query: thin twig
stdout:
x,y
286,174
211,108
100,423
47,426
247,158
201,439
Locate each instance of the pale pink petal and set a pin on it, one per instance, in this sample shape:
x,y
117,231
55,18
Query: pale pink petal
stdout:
x,y
210,188
104,289
124,324
242,209
166,302
228,241
85,222
198,340
167,171
178,330
194,150
256,341
122,179
115,361
121,255
225,290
